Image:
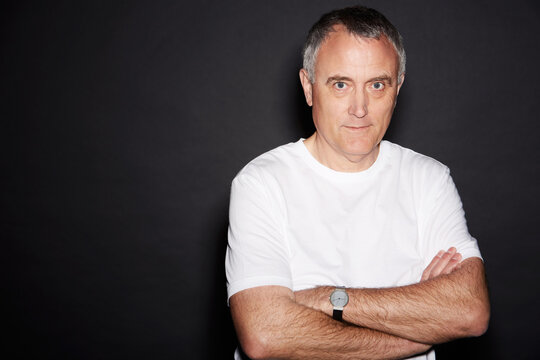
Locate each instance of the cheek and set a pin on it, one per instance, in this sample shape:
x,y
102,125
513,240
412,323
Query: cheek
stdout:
x,y
328,109
333,107
383,108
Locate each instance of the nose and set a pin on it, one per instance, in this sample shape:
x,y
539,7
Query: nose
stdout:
x,y
359,104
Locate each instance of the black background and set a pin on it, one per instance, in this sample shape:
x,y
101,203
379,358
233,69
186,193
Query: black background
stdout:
x,y
124,122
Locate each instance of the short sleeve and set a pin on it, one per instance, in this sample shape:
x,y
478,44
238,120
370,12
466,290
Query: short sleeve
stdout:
x,y
257,253
444,222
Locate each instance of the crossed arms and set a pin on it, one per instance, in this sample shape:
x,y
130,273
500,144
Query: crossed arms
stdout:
x,y
450,302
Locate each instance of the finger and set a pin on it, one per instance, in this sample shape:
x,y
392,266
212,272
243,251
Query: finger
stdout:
x,y
432,264
453,264
441,265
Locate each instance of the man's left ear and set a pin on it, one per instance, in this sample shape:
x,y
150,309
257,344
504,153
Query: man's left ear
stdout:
x,y
400,82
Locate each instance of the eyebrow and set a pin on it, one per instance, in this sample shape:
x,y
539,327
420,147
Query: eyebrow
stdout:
x,y
382,78
338,78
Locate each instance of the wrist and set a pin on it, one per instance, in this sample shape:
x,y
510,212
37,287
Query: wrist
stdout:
x,y
339,298
316,298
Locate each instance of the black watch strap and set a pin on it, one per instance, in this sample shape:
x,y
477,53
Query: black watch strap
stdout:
x,y
337,315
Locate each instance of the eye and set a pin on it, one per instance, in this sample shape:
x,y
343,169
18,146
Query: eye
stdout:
x,y
340,85
378,85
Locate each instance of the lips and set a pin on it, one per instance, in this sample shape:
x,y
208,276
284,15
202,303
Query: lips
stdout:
x,y
356,127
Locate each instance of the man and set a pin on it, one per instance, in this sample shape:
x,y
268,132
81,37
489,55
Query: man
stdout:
x,y
335,241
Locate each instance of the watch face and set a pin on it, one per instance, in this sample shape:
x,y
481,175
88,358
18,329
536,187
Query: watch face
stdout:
x,y
339,298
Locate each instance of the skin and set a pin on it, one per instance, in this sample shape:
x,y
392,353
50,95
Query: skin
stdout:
x,y
353,97
450,302
272,322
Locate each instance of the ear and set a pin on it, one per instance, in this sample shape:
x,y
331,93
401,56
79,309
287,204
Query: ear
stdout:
x,y
307,86
400,82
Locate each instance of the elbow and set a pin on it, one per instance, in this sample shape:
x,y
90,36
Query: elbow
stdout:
x,y
256,346
259,331
478,320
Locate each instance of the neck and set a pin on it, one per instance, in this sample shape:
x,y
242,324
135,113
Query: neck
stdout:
x,y
337,160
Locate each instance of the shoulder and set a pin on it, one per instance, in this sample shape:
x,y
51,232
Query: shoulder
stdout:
x,y
414,163
271,163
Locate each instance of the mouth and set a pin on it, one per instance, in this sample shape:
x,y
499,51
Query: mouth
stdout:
x,y
356,128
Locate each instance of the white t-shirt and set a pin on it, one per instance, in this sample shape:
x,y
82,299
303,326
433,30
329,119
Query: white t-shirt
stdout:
x,y
296,223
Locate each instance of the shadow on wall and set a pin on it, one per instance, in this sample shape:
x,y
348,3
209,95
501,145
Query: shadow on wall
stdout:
x,y
303,126
399,116
483,347
221,335
299,113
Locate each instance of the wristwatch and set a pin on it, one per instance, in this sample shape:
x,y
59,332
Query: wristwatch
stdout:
x,y
339,298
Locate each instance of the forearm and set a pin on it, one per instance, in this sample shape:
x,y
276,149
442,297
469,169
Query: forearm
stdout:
x,y
434,311
284,329
437,310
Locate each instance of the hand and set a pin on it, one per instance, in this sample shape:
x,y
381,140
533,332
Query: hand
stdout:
x,y
442,263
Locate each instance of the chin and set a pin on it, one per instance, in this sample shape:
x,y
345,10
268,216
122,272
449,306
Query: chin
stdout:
x,y
360,149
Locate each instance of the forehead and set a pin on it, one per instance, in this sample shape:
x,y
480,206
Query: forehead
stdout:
x,y
351,55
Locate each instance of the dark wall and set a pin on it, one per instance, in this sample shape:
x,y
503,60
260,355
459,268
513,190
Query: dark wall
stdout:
x,y
124,122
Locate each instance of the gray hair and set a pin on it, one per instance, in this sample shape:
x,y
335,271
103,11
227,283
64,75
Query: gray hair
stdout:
x,y
358,20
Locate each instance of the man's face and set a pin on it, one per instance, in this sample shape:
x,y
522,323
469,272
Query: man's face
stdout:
x,y
353,97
